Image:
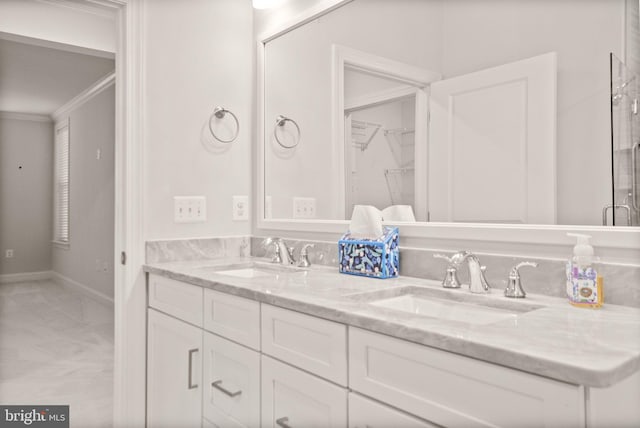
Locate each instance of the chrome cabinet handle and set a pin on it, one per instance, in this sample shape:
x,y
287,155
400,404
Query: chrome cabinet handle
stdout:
x,y
191,385
218,385
283,422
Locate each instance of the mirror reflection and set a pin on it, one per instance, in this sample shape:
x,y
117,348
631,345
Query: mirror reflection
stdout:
x,y
466,111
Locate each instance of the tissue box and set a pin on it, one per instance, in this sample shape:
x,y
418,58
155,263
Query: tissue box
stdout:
x,y
377,258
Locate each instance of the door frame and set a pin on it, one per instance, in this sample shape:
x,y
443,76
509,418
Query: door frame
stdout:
x,y
129,371
418,78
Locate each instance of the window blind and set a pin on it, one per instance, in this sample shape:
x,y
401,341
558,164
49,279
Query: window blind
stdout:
x,y
61,183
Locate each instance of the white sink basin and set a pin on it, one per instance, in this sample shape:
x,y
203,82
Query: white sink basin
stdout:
x,y
246,273
450,305
446,309
253,270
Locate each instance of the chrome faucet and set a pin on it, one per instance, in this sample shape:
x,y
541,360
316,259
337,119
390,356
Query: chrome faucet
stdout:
x,y
283,254
304,255
477,281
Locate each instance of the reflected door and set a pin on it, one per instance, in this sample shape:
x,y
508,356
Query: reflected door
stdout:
x,y
488,125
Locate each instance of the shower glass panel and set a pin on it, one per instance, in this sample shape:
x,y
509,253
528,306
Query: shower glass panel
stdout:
x,y
625,144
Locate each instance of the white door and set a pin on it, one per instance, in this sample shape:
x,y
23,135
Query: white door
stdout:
x,y
293,398
231,383
174,364
492,142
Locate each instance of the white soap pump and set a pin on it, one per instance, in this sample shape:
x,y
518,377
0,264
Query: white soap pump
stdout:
x,y
584,285
583,251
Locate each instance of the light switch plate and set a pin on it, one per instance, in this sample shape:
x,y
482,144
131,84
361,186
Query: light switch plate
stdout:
x,y
304,207
189,209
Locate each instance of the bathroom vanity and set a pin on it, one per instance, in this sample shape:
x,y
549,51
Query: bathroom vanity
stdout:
x,y
243,342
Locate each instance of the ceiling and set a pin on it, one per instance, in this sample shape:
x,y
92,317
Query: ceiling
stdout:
x,y
39,80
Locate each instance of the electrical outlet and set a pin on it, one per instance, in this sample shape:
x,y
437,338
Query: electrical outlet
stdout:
x,y
8,254
304,207
240,208
189,209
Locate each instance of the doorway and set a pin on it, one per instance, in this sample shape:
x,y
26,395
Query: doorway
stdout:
x,y
129,280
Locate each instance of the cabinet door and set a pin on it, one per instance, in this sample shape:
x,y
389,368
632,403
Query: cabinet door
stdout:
x,y
456,391
174,363
233,317
366,413
313,344
176,298
293,398
231,383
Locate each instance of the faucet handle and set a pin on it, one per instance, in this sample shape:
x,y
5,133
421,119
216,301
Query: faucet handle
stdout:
x,y
444,257
514,286
267,242
451,276
304,255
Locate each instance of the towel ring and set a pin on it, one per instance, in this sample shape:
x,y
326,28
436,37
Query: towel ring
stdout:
x,y
280,121
219,113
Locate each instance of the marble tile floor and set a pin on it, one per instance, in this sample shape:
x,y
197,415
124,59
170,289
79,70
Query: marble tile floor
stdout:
x,y
56,347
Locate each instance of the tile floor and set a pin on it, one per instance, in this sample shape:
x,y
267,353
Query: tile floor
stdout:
x,y
56,347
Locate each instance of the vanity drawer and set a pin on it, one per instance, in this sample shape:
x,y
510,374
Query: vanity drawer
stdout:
x,y
234,400
176,298
233,317
366,413
453,390
313,344
291,397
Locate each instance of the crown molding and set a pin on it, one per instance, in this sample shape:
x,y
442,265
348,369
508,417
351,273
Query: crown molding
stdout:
x,y
84,96
94,7
33,117
56,45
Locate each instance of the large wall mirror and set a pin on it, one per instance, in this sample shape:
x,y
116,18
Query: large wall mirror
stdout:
x,y
468,111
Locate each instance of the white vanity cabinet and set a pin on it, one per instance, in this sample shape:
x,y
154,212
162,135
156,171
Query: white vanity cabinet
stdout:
x,y
174,354
299,394
294,398
310,343
452,390
231,385
194,377
231,372
173,372
219,360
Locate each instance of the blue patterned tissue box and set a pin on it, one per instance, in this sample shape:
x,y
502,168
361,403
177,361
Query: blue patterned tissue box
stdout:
x,y
377,258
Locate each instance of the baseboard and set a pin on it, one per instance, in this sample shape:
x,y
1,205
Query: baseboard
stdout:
x,y
26,276
61,279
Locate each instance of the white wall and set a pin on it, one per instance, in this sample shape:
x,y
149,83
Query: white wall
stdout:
x,y
89,258
41,20
198,56
26,159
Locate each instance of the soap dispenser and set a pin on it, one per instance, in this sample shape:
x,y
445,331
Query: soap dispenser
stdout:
x,y
584,285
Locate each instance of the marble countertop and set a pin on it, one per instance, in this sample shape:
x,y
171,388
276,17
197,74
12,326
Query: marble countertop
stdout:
x,y
547,336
